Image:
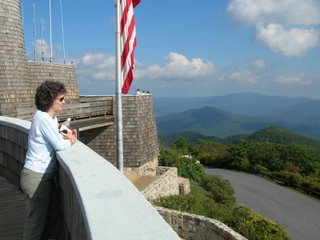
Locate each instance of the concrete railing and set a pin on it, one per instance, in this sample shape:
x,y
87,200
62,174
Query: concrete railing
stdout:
x,y
98,202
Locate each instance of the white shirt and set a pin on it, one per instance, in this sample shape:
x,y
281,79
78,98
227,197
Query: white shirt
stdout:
x,y
43,140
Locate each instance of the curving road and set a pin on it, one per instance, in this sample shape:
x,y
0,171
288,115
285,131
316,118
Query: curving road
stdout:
x,y
299,214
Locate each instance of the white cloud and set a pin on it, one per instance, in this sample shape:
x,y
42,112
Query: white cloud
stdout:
x,y
259,64
242,77
292,42
292,80
287,12
99,66
96,66
178,66
284,26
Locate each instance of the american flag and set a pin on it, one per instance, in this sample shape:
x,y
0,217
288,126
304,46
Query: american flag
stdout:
x,y
128,42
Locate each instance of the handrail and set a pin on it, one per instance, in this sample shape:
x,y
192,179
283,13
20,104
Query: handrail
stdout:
x,y
113,207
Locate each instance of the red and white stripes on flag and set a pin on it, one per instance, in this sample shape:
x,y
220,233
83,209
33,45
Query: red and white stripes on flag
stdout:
x,y
128,42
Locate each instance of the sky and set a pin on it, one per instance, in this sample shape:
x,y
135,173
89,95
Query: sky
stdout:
x,y
187,48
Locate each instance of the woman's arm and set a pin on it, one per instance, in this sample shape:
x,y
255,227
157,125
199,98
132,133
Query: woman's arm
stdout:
x,y
51,134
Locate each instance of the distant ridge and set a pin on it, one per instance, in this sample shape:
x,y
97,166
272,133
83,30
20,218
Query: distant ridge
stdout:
x,y
300,114
210,121
272,134
307,113
249,104
275,134
170,138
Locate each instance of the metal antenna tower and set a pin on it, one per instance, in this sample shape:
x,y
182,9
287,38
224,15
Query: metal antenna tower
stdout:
x,y
34,31
42,26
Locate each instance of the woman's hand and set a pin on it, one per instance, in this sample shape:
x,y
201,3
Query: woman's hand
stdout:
x,y
71,137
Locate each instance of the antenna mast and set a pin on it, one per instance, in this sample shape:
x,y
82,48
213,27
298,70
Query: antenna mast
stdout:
x,y
42,40
34,30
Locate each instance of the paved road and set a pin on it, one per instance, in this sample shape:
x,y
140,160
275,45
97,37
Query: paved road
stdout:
x,y
298,213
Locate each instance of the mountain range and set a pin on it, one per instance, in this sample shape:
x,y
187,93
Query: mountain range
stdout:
x,y
272,134
241,113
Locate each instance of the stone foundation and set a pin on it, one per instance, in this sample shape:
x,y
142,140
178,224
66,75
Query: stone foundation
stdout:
x,y
147,169
166,185
195,227
184,186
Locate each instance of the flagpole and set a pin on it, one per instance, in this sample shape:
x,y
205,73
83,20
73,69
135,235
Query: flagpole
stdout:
x,y
118,92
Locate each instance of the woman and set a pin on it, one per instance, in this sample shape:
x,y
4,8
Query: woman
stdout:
x,y
40,163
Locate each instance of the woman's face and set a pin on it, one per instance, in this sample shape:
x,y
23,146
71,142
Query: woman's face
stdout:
x,y
58,103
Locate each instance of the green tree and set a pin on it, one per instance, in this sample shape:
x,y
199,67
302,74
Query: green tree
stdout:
x,y
181,145
209,153
187,167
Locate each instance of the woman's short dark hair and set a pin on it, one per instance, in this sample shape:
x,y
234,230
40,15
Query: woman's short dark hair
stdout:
x,y
47,92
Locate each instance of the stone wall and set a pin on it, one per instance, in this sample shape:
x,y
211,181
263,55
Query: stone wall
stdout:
x,y
194,227
166,185
140,138
184,186
148,169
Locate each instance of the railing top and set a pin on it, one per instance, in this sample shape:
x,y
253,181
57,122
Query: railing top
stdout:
x,y
113,207
16,123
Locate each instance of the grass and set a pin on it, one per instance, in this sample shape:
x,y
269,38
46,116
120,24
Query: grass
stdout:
x,y
202,196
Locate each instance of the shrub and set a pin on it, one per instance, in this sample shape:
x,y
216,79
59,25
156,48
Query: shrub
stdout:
x,y
254,226
209,153
220,189
178,202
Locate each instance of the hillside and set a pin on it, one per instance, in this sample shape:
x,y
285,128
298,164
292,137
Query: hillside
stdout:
x,y
280,135
170,138
297,114
307,113
210,121
272,134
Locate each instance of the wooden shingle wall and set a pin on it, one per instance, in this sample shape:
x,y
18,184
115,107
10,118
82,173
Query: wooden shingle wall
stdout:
x,y
140,138
13,70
